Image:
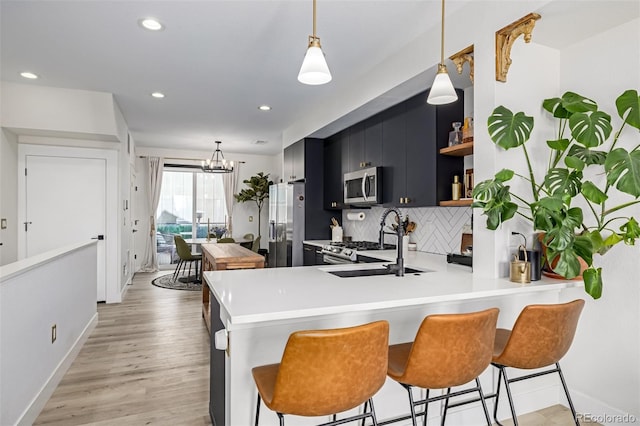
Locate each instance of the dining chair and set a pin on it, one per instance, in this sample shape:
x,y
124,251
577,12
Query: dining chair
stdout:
x,y
185,255
325,372
255,246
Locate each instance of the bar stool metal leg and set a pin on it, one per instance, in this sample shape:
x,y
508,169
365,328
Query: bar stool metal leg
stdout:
x,y
411,405
258,410
497,396
566,392
509,397
373,412
426,406
484,403
446,406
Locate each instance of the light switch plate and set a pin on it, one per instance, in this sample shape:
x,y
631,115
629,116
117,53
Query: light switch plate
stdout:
x,y
3,223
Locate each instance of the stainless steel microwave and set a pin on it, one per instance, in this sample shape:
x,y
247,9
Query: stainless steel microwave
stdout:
x,y
363,187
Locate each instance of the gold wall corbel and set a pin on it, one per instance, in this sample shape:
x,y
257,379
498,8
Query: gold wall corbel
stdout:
x,y
465,55
505,39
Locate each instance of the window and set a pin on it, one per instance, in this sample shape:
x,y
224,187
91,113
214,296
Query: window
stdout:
x,y
188,200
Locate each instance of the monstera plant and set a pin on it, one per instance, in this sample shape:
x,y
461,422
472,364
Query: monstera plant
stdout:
x,y
585,140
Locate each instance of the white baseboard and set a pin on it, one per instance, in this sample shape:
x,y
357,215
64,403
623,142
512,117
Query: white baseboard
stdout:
x,y
40,400
596,410
124,289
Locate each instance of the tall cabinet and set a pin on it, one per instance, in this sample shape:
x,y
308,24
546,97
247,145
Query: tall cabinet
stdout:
x,y
304,161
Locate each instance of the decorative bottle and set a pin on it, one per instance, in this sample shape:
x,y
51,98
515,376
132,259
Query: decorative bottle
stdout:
x,y
456,188
467,130
455,136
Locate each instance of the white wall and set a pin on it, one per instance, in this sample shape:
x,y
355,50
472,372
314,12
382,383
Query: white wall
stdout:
x,y
40,110
603,366
55,117
8,196
42,294
604,362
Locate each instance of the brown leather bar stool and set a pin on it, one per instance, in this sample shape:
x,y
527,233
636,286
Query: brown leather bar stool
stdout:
x,y
449,350
325,372
541,336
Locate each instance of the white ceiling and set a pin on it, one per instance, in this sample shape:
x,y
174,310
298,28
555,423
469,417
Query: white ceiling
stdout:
x,y
216,61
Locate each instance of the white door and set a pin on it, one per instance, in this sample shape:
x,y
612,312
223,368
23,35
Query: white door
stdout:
x,y
66,204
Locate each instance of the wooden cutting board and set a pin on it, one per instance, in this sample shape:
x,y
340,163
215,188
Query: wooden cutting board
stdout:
x,y
466,241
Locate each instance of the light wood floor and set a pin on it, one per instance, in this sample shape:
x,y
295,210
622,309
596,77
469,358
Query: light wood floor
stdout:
x,y
147,362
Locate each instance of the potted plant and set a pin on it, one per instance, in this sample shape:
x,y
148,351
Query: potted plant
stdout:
x,y
556,204
257,191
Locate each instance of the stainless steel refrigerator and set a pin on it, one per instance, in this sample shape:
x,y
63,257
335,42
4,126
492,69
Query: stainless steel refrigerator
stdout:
x,y
286,224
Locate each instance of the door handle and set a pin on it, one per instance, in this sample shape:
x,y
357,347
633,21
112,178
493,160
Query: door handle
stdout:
x,y
26,226
99,237
134,230
364,187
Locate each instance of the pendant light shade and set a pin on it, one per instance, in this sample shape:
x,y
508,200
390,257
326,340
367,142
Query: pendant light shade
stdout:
x,y
314,69
442,91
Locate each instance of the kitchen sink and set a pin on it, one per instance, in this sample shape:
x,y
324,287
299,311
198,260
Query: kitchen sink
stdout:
x,y
349,273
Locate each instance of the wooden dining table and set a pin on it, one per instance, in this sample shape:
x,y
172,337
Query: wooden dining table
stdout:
x,y
219,257
199,241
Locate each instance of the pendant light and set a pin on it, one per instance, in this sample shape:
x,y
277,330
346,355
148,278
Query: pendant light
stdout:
x,y
314,69
442,91
217,164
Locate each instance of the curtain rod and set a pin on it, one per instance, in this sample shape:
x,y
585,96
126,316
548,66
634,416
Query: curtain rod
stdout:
x,y
185,159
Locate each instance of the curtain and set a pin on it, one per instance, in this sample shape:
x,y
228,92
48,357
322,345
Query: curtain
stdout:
x,y
154,182
230,184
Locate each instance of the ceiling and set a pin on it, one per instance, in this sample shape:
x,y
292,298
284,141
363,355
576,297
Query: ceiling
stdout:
x,y
216,61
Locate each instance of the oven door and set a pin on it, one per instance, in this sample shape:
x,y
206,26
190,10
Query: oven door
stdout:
x,y
328,259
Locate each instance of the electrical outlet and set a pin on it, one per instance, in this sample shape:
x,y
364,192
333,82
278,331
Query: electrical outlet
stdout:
x,y
54,333
250,218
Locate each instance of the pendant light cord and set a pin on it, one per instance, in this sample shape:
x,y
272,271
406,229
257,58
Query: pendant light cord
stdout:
x,y
441,35
314,20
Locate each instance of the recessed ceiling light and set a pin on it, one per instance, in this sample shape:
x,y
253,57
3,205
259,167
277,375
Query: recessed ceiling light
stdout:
x,y
151,24
158,95
264,108
29,75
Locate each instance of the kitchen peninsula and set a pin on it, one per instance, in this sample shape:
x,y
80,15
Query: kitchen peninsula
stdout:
x,y
254,311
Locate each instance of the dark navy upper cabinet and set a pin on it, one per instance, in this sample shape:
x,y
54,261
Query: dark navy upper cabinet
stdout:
x,y
373,142
405,140
335,158
414,175
394,173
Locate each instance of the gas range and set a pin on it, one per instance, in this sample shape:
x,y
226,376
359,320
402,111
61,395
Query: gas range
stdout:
x,y
346,252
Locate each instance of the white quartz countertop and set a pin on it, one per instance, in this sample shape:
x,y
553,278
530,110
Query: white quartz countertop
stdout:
x,y
255,296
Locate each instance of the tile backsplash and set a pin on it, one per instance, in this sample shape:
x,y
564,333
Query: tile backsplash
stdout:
x,y
438,230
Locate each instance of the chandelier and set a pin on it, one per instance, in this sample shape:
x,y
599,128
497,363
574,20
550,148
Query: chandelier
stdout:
x,y
217,163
